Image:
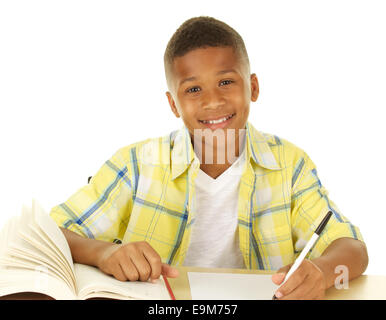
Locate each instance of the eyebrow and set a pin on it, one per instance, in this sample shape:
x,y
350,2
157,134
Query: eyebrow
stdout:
x,y
218,73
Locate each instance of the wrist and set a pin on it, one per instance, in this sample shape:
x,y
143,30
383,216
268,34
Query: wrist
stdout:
x,y
89,251
99,251
328,272
85,250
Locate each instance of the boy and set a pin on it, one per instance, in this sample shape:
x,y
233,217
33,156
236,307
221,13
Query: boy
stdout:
x,y
169,206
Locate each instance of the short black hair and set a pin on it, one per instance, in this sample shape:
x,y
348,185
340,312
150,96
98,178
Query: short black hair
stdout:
x,y
202,32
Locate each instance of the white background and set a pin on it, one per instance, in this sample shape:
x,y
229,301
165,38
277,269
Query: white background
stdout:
x,y
80,79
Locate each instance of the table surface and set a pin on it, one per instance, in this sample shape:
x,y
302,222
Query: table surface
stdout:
x,y
365,287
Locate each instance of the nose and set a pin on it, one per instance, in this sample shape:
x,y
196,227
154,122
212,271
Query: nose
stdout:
x,y
212,99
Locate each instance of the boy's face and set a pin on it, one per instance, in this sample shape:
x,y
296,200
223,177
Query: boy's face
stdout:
x,y
211,84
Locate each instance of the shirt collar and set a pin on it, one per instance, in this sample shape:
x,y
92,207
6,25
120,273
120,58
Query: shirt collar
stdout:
x,y
259,149
182,153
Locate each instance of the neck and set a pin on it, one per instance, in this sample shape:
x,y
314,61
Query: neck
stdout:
x,y
215,158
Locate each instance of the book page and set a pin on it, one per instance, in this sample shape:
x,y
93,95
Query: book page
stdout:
x,y
92,282
230,286
60,260
26,249
34,240
21,258
38,249
23,280
51,229
17,251
5,235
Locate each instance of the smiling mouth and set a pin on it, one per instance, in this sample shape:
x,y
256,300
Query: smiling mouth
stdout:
x,y
218,120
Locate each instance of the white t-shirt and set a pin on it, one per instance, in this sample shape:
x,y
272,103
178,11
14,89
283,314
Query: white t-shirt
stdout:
x,y
214,239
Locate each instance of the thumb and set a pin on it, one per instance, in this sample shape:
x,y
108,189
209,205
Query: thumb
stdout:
x,y
169,271
280,274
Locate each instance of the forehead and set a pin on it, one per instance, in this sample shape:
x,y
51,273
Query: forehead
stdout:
x,y
203,60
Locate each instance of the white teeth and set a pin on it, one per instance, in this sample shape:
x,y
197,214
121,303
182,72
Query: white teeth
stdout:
x,y
217,121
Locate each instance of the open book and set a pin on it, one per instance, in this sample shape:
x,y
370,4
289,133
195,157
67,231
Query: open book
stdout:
x,y
35,257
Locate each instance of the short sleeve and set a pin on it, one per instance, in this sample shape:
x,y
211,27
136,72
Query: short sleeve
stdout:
x,y
310,203
101,209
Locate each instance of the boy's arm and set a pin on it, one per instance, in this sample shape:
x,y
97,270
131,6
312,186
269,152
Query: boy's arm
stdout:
x,y
97,214
84,250
341,242
346,252
313,277
310,204
133,261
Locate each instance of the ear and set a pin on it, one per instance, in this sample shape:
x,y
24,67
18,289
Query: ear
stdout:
x,y
172,104
254,87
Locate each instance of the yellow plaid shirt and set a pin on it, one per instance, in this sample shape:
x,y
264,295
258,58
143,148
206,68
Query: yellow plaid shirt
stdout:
x,y
146,192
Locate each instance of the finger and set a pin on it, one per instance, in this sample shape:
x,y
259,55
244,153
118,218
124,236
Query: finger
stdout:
x,y
117,272
169,272
129,269
285,269
154,261
317,293
305,291
294,281
278,278
142,265
320,295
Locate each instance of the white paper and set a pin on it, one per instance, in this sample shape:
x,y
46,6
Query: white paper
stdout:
x,y
230,286
91,279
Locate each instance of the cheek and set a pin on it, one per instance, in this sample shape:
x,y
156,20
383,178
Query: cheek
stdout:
x,y
189,109
240,96
241,103
188,112
184,106
242,109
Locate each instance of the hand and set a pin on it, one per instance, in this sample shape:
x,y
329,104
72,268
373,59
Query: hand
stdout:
x,y
133,261
307,282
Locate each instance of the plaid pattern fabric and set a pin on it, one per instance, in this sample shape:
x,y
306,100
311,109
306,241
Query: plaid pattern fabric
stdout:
x,y
145,192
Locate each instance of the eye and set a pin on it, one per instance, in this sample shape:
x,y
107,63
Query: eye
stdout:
x,y
193,90
227,81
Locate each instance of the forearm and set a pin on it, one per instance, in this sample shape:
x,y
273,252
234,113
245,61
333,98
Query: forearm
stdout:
x,y
347,252
84,250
